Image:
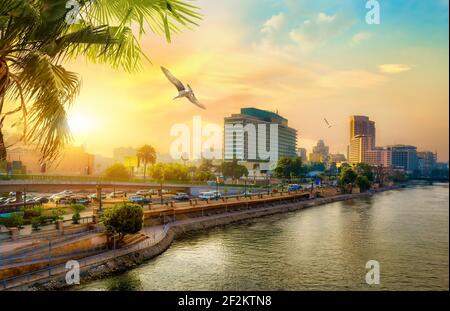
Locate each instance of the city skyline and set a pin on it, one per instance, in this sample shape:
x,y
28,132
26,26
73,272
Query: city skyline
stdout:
x,y
306,60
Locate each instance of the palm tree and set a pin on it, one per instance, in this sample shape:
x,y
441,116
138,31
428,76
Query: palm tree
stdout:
x,y
147,155
38,36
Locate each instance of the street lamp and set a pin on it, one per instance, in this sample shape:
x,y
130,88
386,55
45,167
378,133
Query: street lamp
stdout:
x,y
245,187
217,187
160,192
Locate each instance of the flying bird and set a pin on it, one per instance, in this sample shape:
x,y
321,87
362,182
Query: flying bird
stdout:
x,y
328,123
182,90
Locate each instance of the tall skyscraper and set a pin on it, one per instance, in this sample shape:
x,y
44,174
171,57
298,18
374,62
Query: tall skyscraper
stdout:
x,y
362,139
362,125
320,153
251,131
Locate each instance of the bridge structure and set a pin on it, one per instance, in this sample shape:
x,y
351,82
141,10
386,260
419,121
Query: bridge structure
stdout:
x,y
40,183
60,185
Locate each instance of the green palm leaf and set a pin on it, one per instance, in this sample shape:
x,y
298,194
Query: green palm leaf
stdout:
x,y
35,40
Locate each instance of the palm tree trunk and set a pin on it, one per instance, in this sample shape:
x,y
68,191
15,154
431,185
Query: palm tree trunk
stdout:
x,y
2,147
145,170
4,80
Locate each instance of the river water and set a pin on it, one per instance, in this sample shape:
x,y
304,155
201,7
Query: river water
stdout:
x,y
322,248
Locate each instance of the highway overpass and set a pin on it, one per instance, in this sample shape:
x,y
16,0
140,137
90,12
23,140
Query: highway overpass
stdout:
x,y
42,185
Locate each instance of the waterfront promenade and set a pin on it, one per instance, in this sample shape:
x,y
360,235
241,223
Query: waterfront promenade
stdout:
x,y
159,238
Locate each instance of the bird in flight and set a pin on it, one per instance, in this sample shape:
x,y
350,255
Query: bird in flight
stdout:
x,y
328,123
182,90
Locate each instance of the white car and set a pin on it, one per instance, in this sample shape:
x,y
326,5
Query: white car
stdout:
x,y
143,192
117,194
209,195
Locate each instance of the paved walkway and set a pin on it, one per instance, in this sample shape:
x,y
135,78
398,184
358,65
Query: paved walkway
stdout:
x,y
154,233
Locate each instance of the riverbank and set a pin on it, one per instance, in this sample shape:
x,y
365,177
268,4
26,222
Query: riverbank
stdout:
x,y
175,230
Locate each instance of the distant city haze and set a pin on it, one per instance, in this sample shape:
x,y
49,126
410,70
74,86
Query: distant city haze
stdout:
x,y
309,60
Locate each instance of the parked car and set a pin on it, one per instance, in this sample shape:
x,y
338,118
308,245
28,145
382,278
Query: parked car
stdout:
x,y
82,200
117,194
209,195
138,199
294,187
181,196
248,192
66,194
41,200
63,198
143,192
10,200
94,195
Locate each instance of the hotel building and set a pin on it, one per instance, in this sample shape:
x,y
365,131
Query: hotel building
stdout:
x,y
258,138
362,148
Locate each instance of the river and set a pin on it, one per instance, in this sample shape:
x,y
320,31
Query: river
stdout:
x,y
321,248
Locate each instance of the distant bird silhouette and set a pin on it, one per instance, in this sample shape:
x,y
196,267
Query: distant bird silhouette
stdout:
x,y
182,91
328,123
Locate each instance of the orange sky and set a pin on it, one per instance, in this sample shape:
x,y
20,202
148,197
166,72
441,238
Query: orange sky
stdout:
x,y
234,60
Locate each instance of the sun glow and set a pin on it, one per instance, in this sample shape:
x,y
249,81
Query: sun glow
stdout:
x,y
81,123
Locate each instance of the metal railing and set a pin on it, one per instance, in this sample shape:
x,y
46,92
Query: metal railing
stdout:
x,y
84,263
34,250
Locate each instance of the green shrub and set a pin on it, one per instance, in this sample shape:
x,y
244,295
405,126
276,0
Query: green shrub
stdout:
x,y
30,213
123,219
362,182
76,218
57,214
14,220
77,207
36,223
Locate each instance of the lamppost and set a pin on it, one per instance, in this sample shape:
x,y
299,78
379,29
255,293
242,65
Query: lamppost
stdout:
x,y
217,187
245,187
160,192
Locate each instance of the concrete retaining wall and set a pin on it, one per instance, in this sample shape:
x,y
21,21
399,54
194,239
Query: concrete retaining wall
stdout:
x,y
124,263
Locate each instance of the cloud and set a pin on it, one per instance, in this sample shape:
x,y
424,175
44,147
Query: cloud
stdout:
x,y
274,23
271,28
350,79
394,68
361,36
319,30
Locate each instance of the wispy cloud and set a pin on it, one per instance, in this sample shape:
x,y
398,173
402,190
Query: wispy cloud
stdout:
x,y
394,68
317,31
271,28
274,23
360,37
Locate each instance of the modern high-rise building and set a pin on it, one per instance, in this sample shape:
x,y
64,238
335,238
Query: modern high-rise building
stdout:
x,y
404,157
362,125
362,147
301,153
258,137
359,147
320,153
426,162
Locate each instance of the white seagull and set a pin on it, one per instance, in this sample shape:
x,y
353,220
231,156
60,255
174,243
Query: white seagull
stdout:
x,y
182,91
328,123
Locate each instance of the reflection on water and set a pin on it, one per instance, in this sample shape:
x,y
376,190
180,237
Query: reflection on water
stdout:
x,y
322,248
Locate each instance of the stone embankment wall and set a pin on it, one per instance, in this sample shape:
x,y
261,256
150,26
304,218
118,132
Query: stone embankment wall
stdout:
x,y
126,262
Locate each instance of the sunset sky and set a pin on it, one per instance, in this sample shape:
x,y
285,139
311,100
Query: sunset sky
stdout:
x,y
306,59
